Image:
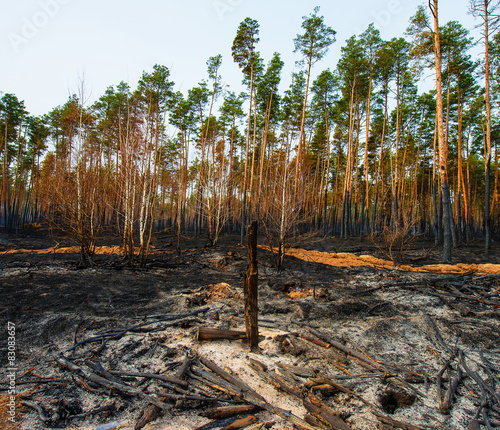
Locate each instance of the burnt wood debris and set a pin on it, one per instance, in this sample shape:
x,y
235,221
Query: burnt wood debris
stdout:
x,y
328,375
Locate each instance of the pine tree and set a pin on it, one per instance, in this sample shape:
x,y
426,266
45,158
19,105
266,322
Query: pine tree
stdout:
x,y
313,44
488,11
244,55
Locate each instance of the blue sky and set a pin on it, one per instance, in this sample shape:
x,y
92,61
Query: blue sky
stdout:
x,y
47,46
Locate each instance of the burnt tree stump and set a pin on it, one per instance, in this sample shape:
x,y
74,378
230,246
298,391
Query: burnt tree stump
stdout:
x,y
250,287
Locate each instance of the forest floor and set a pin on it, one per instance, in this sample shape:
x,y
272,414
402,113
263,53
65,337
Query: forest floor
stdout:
x,y
346,335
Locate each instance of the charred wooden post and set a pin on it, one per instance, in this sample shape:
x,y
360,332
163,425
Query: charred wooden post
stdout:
x,y
250,287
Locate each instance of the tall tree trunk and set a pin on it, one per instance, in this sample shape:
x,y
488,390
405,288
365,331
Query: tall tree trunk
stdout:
x,y
302,123
181,205
230,185
487,186
446,139
245,180
461,186
348,181
5,181
365,205
396,210
263,151
380,160
443,150
254,143
494,209
327,169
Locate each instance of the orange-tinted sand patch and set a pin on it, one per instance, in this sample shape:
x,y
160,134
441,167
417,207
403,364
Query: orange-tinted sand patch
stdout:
x,y
103,250
339,259
344,259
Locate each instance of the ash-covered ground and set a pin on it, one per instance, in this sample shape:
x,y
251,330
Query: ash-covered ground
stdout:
x,y
340,325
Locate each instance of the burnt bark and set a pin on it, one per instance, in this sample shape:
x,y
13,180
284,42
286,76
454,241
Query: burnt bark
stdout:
x,y
250,286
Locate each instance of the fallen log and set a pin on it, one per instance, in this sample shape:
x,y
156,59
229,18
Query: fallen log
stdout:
x,y
304,372
326,390
228,411
163,378
445,405
241,423
291,418
216,424
220,384
437,333
481,323
152,412
349,351
366,360
324,413
395,423
119,333
492,422
98,410
318,342
183,369
439,378
184,323
120,388
81,383
487,363
485,388
311,419
148,415
486,419
174,388
98,369
230,378
209,333
331,355
179,397
469,297
172,317
105,337
225,386
324,381
274,379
